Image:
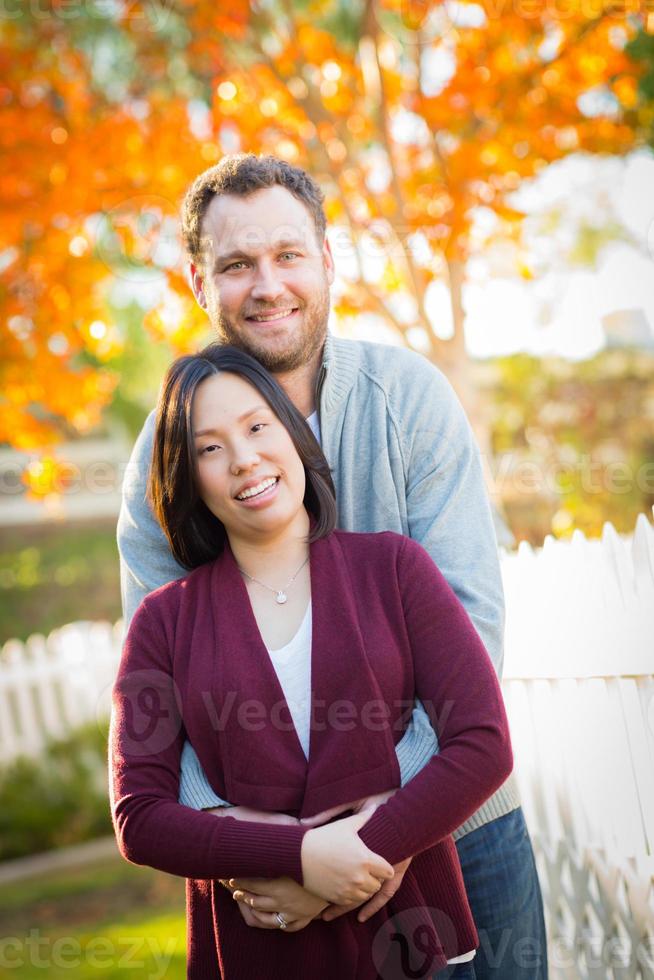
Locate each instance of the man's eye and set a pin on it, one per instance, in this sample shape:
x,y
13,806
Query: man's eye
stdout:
x,y
289,255
233,265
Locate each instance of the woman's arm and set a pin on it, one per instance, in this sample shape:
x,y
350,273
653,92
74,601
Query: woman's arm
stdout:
x,y
152,828
145,745
458,686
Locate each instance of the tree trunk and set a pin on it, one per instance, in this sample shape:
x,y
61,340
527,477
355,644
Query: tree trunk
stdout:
x,y
455,363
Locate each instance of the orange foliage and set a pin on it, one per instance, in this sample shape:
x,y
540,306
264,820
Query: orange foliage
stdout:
x,y
93,177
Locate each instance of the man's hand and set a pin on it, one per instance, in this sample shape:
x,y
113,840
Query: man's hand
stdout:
x,y
268,920
256,816
277,895
374,904
260,898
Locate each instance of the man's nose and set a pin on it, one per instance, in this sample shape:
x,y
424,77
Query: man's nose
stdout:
x,y
267,285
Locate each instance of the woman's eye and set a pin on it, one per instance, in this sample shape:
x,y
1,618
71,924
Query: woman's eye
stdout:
x,y
258,426
208,449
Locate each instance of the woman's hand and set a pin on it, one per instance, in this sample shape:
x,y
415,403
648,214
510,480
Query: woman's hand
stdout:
x,y
388,888
337,865
256,816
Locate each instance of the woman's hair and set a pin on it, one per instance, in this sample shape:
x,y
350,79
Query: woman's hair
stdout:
x,y
194,533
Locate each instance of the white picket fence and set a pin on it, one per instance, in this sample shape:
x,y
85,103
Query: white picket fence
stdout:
x,y
579,688
51,685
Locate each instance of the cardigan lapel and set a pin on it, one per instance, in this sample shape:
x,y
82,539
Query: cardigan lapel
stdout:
x,y
263,762
347,760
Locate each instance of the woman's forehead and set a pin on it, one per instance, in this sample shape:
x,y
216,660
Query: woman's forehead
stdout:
x,y
226,396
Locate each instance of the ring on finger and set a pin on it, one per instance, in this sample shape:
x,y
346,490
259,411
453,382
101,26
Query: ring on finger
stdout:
x,y
282,921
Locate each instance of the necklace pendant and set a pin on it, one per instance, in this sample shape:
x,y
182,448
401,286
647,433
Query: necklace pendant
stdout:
x,y
281,597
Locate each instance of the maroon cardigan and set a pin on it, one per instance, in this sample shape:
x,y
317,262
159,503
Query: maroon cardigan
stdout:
x,y
386,629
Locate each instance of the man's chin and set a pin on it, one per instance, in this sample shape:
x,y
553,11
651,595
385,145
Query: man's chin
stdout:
x,y
278,360
275,354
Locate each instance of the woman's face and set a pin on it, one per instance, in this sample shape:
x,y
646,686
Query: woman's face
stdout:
x,y
249,473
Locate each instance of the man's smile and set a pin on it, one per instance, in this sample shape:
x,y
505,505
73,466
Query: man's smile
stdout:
x,y
273,316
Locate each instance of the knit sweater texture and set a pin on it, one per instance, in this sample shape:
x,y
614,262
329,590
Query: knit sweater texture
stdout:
x,y
386,629
403,459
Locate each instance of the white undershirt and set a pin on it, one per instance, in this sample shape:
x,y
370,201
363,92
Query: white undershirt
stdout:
x,y
292,664
314,424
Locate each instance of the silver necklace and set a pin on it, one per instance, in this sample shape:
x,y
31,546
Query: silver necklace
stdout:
x,y
280,594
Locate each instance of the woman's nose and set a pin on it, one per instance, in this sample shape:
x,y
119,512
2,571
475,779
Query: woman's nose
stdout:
x,y
243,460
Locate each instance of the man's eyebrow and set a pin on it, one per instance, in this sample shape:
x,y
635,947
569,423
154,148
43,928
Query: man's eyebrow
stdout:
x,y
229,257
239,254
241,418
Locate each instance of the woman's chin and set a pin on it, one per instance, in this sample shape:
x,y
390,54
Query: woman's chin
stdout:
x,y
271,520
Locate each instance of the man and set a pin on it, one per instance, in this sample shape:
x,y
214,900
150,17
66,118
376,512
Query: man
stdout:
x,y
402,456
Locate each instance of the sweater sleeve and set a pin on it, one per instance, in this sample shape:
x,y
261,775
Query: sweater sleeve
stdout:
x,y
448,508
146,561
458,686
146,739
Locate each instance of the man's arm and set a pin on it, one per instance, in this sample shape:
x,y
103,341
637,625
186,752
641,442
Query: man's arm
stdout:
x,y
448,508
146,561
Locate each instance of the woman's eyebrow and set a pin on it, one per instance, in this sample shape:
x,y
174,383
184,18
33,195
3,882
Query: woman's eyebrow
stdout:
x,y
241,418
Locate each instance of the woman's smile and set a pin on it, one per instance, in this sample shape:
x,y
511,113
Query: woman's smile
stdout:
x,y
259,494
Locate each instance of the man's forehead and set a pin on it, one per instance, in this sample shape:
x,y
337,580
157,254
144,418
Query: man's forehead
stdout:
x,y
267,219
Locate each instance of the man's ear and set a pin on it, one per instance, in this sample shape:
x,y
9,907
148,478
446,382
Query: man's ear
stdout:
x,y
197,285
328,261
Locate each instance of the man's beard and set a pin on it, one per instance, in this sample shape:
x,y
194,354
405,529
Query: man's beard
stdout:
x,y
301,349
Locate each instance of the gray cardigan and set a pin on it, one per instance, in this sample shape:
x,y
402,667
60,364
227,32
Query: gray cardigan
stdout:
x,y
403,458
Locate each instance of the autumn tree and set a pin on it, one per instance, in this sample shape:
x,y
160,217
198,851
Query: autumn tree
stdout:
x,y
413,115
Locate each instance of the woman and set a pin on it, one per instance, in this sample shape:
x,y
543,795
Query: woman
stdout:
x,y
244,495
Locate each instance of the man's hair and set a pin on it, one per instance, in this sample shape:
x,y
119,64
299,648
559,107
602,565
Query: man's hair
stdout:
x,y
242,174
194,533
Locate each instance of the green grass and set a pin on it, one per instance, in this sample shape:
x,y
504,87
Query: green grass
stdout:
x,y
111,920
52,575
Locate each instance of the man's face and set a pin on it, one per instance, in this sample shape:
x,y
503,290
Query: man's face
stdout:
x,y
264,279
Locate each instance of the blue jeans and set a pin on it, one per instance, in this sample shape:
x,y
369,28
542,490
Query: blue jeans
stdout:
x,y
458,971
499,871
